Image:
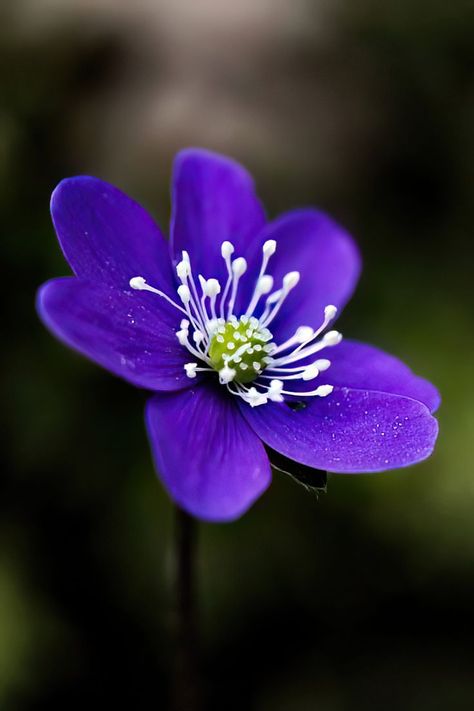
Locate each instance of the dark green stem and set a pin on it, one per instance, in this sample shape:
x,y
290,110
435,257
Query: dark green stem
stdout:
x,y
186,691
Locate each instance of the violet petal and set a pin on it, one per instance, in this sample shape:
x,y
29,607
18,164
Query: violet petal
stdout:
x,y
349,431
361,366
131,334
209,459
107,237
213,200
325,255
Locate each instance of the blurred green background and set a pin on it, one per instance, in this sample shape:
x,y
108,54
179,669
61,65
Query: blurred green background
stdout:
x,y
362,599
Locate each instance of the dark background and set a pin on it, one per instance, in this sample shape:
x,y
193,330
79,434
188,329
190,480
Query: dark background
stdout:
x,y
361,599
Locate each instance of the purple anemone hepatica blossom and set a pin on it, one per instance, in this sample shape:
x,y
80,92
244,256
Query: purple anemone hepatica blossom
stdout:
x,y
228,324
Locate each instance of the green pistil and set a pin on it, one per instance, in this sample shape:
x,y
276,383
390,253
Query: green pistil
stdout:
x,y
230,338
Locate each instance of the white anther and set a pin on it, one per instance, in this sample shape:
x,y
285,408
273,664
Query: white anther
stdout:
x,y
182,337
198,337
190,369
184,294
322,364
212,326
332,338
212,287
265,284
303,333
255,365
311,372
290,280
254,398
330,312
227,248
239,266
183,269
324,390
184,323
231,345
138,282
226,375
274,391
269,247
185,256
273,298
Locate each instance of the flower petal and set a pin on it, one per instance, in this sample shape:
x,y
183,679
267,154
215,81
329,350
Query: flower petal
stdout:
x,y
128,333
213,200
363,367
349,431
107,237
207,456
325,255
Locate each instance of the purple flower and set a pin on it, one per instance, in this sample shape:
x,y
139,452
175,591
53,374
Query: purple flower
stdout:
x,y
227,324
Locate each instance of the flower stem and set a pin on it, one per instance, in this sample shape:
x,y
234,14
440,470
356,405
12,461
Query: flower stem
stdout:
x,y
186,691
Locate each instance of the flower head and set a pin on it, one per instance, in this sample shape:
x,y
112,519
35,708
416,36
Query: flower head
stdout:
x,y
228,324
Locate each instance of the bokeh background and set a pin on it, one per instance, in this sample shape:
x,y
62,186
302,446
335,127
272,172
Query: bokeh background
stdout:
x,y
362,598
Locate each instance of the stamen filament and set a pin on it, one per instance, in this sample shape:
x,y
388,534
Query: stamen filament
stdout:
x,y
227,249
139,284
290,280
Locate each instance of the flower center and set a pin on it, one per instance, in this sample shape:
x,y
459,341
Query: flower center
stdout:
x,y
240,348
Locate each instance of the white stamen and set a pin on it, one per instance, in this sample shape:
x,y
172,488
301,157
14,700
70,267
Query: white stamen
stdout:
x,y
330,312
275,390
140,284
332,338
264,286
311,350
190,369
212,288
226,375
321,391
302,335
324,390
311,372
290,280
183,269
269,247
199,311
184,294
322,364
251,396
227,248
246,335
239,267
182,336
